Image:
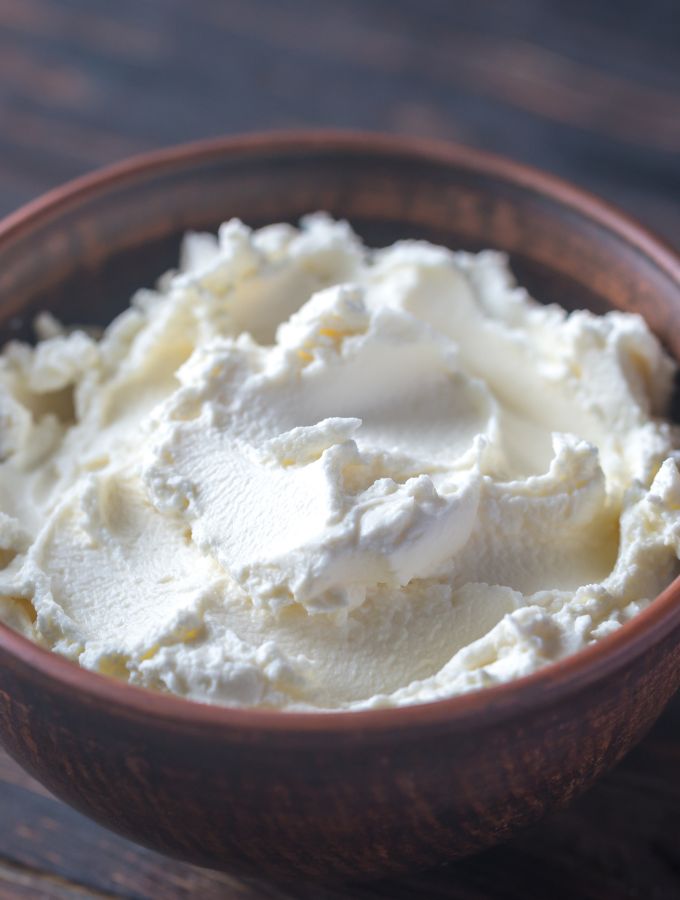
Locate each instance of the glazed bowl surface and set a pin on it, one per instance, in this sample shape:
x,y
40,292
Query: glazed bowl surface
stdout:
x,y
351,794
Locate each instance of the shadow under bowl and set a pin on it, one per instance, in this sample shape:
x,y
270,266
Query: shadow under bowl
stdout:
x,y
337,795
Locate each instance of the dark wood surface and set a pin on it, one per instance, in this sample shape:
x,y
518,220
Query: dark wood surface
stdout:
x,y
590,91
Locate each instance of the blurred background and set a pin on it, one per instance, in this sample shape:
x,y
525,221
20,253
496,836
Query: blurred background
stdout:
x,y
587,89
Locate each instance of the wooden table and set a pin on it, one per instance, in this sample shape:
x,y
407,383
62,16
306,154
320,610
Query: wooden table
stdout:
x,y
590,91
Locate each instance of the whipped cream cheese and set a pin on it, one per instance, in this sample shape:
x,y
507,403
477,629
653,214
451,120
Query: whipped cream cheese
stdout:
x,y
303,474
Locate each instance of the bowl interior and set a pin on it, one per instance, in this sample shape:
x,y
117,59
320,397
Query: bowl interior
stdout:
x,y
83,251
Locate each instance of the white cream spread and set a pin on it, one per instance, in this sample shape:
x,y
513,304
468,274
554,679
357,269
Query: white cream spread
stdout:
x,y
303,474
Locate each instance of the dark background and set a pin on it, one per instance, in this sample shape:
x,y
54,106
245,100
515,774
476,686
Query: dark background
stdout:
x,y
585,89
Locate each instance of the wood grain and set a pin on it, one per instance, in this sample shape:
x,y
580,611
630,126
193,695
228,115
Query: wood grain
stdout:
x,y
588,91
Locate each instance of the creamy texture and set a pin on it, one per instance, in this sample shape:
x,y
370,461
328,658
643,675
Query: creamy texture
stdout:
x,y
304,474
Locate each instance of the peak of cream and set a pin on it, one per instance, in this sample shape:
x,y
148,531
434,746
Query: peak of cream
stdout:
x,y
304,474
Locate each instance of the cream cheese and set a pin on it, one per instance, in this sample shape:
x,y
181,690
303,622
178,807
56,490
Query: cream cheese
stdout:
x,y
302,474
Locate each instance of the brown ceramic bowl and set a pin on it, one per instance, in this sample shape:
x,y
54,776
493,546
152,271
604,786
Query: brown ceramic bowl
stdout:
x,y
339,794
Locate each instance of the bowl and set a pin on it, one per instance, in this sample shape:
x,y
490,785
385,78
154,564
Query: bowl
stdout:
x,y
342,794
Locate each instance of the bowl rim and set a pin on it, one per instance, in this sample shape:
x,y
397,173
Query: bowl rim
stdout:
x,y
572,674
